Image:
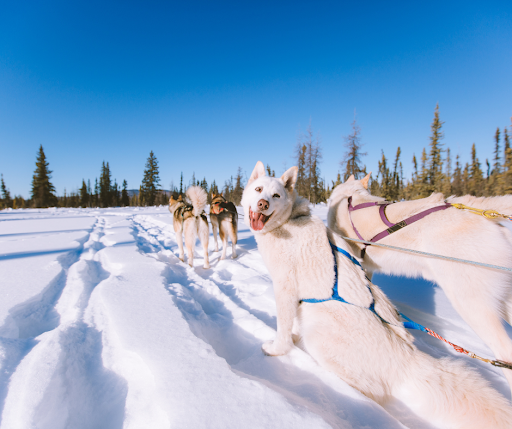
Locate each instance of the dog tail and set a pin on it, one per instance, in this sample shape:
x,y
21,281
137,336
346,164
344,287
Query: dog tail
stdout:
x,y
447,392
501,204
198,197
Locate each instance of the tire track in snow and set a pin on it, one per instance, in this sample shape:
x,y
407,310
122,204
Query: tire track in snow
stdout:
x,y
217,315
61,381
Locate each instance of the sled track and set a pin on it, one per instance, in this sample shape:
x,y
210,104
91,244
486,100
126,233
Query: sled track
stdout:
x,y
60,347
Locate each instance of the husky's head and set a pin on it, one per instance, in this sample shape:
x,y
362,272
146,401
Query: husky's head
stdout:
x,y
268,201
173,204
350,188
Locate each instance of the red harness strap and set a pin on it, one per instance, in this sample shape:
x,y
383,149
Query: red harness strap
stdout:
x,y
215,208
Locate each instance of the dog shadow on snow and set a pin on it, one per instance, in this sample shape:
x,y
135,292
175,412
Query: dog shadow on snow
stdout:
x,y
210,320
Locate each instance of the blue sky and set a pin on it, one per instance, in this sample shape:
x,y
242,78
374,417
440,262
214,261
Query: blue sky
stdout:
x,y
211,86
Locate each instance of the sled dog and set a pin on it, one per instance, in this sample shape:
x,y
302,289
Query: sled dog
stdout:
x,y
191,219
224,219
480,295
377,358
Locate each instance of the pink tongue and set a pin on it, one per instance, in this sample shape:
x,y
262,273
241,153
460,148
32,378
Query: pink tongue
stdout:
x,y
257,221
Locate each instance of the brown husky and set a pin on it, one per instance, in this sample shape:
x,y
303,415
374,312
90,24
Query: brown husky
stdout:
x,y
191,219
224,218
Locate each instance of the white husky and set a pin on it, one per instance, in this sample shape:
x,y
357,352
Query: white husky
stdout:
x,y
377,358
481,296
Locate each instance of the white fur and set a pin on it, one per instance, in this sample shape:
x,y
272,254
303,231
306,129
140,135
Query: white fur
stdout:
x,y
376,358
198,198
193,226
481,296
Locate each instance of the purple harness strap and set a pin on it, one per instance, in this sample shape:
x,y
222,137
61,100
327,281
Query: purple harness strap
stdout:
x,y
351,208
393,227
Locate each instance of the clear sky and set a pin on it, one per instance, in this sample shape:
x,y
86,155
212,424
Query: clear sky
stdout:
x,y
213,85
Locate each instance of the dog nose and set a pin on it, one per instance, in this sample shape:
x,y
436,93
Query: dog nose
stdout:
x,y
263,204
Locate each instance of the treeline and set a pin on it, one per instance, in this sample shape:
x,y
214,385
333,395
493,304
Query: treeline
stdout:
x,y
435,171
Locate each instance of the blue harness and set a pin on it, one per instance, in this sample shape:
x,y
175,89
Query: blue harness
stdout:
x,y
409,324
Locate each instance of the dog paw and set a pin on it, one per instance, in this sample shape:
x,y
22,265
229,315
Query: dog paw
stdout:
x,y
270,349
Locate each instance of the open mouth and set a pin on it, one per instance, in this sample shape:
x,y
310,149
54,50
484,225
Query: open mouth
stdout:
x,y
258,220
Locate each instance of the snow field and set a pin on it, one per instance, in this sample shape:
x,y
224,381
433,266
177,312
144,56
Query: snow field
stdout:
x,y
102,326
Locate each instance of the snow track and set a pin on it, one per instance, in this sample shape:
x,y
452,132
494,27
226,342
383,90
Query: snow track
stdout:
x,y
102,326
61,381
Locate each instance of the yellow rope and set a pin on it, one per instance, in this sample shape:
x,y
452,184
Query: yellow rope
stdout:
x,y
489,214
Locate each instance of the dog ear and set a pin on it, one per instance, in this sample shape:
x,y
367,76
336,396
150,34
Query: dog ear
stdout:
x,y
365,181
351,178
290,178
259,171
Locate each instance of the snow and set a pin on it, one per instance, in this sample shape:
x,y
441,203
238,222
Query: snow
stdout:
x,y
102,326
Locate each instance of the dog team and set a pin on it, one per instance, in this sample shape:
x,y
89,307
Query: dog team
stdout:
x,y
189,218
327,305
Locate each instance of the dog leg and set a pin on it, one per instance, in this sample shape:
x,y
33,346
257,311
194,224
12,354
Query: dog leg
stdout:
x,y
179,239
233,237
287,304
190,239
224,238
215,229
203,233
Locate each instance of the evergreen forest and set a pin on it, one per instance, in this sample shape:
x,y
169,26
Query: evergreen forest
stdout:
x,y
434,170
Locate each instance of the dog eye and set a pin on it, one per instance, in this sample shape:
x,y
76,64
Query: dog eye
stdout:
x,y
276,196
258,189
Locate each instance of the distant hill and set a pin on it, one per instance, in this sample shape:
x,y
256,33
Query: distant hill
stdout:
x,y
132,192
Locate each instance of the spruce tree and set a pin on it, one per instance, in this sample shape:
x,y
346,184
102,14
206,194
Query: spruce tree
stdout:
x,y
96,193
386,187
424,186
204,184
238,188
507,168
84,195
476,177
435,179
6,196
42,189
396,185
105,186
300,155
412,189
308,154
125,199
352,158
447,179
495,184
214,190
150,181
